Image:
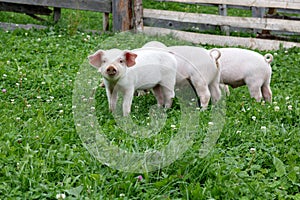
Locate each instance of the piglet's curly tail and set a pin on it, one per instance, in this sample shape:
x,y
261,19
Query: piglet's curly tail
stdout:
x,y
215,54
268,58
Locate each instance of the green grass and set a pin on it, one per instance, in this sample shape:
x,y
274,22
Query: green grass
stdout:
x,y
42,155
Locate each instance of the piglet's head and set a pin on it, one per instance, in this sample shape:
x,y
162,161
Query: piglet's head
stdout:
x,y
112,63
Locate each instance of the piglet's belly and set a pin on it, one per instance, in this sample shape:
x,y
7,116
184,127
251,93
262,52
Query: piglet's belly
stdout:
x,y
144,86
234,83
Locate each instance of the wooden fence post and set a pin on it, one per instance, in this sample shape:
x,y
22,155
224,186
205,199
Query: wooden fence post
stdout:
x,y
122,15
223,12
105,21
257,12
138,15
56,14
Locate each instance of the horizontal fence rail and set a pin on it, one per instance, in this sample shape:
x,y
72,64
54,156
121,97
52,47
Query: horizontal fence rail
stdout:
x,y
264,22
197,38
91,5
242,22
285,4
122,10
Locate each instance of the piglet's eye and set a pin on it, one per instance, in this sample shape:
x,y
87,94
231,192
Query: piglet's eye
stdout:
x,y
121,61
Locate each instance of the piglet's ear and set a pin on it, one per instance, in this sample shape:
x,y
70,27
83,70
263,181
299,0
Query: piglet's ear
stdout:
x,y
130,58
96,59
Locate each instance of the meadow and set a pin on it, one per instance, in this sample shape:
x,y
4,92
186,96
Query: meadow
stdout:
x,y
257,155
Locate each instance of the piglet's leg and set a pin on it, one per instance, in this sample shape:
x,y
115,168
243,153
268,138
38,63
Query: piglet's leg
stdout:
x,y
127,101
202,90
158,95
255,92
168,94
267,93
113,100
109,98
254,87
215,92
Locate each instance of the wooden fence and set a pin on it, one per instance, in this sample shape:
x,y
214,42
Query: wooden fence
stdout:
x,y
129,14
172,22
120,9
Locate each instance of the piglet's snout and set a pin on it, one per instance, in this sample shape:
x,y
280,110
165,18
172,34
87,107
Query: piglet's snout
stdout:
x,y
111,71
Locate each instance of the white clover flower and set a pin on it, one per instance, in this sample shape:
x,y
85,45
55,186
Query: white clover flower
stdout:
x,y
238,132
252,150
28,105
60,105
253,118
275,103
18,118
173,126
93,108
122,195
39,97
39,39
17,84
210,123
263,128
43,83
287,98
60,196
276,108
51,97
290,107
61,111
48,100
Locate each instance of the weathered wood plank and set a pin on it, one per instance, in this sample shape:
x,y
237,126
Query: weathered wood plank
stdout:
x,y
287,4
138,15
223,12
242,22
9,26
252,43
170,24
105,22
56,14
12,7
91,5
122,15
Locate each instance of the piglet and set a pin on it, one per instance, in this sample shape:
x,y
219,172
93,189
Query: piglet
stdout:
x,y
198,67
128,71
245,67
